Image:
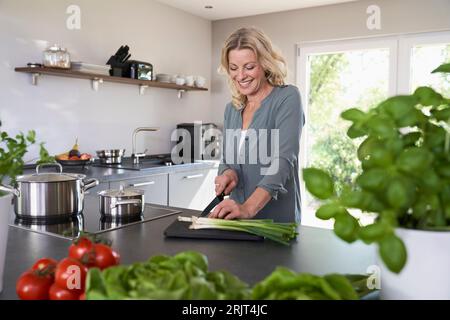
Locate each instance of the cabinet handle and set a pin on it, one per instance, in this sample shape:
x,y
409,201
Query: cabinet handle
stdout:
x,y
142,184
193,176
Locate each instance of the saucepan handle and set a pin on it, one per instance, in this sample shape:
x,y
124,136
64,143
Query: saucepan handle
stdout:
x,y
50,164
9,189
90,183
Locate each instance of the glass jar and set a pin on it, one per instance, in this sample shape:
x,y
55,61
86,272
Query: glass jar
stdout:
x,y
56,57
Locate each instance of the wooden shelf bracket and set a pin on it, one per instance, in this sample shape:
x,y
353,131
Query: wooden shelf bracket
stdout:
x,y
142,88
34,78
95,83
180,93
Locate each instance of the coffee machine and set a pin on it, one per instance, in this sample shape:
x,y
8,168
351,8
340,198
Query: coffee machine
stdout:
x,y
203,140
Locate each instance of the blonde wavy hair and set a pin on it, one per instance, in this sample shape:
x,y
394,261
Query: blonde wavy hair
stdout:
x,y
272,62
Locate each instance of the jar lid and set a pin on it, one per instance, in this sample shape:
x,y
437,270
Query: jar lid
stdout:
x,y
114,193
56,47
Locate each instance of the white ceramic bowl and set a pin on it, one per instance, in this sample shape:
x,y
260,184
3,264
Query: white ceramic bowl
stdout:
x,y
200,82
190,80
180,81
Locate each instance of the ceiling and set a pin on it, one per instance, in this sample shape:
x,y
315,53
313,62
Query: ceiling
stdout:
x,y
225,9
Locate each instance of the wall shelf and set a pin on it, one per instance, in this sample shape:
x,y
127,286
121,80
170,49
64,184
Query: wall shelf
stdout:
x,y
97,79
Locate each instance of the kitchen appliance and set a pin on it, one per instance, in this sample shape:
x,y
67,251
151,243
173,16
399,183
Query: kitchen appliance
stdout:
x,y
49,196
122,67
202,137
89,221
122,203
140,70
111,156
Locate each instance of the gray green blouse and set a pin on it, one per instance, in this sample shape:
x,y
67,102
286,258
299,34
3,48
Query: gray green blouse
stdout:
x,y
269,154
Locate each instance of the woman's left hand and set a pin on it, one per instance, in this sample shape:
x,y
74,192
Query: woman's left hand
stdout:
x,y
229,209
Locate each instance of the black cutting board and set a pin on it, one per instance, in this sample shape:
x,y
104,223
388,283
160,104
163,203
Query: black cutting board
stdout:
x,y
180,229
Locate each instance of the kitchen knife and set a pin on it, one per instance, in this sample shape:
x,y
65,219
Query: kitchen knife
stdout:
x,y
213,203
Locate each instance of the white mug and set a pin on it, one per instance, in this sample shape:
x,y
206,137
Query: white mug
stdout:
x,y
190,80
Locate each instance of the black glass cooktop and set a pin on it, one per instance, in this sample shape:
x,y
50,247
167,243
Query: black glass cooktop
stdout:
x,y
90,220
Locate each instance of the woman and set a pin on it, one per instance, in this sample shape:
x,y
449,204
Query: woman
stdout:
x,y
262,106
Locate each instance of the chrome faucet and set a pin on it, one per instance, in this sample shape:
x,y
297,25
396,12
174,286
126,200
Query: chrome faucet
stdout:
x,y
135,155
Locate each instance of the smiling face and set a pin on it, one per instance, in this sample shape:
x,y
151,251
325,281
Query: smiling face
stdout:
x,y
246,72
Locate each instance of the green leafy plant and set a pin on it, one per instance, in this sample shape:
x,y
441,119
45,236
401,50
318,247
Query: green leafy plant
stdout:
x,y
12,151
405,177
186,276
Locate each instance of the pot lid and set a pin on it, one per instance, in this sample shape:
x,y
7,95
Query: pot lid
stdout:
x,y
50,177
114,193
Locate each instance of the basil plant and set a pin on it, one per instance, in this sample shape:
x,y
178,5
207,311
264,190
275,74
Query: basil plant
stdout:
x,y
405,179
12,152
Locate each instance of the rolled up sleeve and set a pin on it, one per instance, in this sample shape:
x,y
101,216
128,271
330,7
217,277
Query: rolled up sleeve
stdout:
x,y
289,121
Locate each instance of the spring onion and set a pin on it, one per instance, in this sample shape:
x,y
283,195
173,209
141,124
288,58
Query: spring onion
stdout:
x,y
277,231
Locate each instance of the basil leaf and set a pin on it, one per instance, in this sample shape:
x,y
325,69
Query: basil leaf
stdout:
x,y
346,227
414,160
393,252
318,183
353,114
328,211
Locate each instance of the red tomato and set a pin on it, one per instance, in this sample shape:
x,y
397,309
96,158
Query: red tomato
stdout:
x,y
104,256
116,257
32,286
45,265
83,250
70,274
58,293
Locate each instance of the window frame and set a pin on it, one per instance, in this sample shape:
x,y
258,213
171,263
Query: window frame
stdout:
x,y
399,46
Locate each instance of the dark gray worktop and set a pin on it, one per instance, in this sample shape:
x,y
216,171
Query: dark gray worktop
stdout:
x,y
316,250
111,174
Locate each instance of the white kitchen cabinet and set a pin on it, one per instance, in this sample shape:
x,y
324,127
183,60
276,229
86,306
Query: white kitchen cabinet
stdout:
x,y
192,189
155,187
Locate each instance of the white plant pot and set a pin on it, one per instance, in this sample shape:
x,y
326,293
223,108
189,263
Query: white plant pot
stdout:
x,y
426,274
5,213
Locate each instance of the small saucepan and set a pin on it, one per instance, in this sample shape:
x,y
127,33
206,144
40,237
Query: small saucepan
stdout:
x,y
122,204
111,156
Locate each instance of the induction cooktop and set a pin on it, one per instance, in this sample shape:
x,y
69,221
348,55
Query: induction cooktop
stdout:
x,y
89,221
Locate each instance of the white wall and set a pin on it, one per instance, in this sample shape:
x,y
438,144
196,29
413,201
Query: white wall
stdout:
x,y
347,20
60,109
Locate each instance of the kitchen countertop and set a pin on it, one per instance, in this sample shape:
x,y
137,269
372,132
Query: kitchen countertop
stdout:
x,y
104,174
316,251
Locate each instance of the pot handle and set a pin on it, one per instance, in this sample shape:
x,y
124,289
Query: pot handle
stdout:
x,y
131,201
89,183
12,190
49,164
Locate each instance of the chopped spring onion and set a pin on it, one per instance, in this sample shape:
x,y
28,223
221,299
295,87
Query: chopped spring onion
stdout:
x,y
276,231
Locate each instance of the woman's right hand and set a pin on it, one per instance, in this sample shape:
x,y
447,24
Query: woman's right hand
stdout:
x,y
226,182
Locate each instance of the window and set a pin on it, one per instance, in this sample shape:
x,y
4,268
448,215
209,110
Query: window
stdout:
x,y
338,75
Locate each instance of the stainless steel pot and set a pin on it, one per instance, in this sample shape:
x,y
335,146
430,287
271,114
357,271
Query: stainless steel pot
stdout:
x,y
122,204
112,156
49,195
